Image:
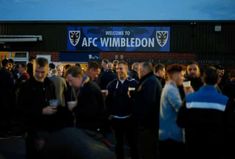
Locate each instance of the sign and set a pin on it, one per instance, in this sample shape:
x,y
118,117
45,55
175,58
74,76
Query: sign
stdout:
x,y
78,57
94,38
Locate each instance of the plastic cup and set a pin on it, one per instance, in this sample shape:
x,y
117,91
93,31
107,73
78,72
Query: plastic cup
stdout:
x,y
71,105
54,103
187,84
104,92
131,88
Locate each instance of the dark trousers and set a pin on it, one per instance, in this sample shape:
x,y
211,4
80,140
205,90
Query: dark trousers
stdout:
x,y
148,143
125,129
204,149
5,118
169,148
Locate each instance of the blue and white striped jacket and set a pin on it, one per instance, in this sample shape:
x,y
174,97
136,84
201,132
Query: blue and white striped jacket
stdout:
x,y
203,117
207,97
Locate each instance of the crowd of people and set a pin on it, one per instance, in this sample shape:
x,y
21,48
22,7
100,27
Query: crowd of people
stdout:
x,y
156,111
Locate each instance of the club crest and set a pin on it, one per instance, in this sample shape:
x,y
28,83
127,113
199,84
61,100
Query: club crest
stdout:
x,y
74,37
162,38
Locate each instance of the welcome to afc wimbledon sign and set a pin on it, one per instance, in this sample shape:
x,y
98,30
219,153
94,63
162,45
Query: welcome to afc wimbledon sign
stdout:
x,y
118,38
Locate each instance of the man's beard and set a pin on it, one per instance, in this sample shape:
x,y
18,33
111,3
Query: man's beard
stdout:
x,y
122,77
39,80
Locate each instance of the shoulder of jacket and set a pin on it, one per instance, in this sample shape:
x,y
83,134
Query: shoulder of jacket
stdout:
x,y
223,97
152,81
170,88
130,79
113,82
93,85
28,85
191,97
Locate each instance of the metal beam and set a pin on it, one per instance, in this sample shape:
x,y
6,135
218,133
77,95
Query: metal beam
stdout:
x,y
20,38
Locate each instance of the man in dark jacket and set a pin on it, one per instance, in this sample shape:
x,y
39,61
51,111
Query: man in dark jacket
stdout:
x,y
30,66
202,116
40,117
89,111
194,75
93,71
223,79
120,107
6,98
106,75
160,73
146,111
133,73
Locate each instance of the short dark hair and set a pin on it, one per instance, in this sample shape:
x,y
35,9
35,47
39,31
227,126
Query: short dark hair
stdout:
x,y
193,63
105,61
158,67
174,68
4,62
42,62
93,65
148,66
22,65
66,67
115,62
11,61
210,75
74,71
123,62
219,67
52,66
31,58
78,65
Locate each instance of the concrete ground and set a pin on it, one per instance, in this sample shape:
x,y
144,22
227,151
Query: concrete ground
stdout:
x,y
12,148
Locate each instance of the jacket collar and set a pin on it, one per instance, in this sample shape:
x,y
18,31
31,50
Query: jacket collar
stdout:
x,y
146,76
85,80
46,80
208,88
172,83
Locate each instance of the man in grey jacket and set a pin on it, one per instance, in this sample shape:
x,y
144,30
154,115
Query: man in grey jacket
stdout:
x,y
60,86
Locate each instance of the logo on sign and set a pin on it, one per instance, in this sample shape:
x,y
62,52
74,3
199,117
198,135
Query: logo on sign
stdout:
x,y
162,38
74,37
91,57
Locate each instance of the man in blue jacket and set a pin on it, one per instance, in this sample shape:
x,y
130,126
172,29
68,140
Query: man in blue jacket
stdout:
x,y
202,116
171,136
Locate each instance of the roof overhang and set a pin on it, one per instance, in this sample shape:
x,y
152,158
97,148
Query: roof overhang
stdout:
x,y
19,38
